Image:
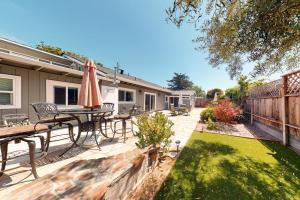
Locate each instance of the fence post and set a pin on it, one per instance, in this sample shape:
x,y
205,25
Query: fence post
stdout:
x,y
251,111
285,110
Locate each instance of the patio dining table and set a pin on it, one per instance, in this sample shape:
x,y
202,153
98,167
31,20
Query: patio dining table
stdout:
x,y
90,124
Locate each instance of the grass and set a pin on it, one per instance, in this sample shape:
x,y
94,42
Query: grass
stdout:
x,y
214,166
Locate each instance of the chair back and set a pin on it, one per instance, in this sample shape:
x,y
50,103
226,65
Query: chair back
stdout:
x,y
172,108
108,106
45,110
133,110
10,120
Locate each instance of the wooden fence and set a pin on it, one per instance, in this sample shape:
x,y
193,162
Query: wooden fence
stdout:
x,y
277,104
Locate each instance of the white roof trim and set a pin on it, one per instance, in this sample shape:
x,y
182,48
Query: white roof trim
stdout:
x,y
31,48
35,62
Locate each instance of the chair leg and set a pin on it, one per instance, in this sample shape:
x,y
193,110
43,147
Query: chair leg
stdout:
x,y
124,129
71,132
42,141
4,157
31,145
47,144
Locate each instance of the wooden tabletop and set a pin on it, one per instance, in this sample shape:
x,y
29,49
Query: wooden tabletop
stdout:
x,y
22,130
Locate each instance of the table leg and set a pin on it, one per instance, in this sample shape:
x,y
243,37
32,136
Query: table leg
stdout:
x,y
4,156
95,135
78,136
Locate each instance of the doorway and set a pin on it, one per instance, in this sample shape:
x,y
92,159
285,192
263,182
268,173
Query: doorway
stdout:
x,y
150,101
174,100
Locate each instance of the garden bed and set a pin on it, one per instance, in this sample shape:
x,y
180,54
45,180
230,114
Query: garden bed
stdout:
x,y
238,129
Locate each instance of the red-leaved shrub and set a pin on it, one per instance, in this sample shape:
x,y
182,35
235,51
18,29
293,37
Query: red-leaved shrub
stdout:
x,y
226,111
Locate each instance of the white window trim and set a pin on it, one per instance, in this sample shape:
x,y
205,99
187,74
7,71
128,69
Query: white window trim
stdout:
x,y
50,84
145,100
16,104
127,90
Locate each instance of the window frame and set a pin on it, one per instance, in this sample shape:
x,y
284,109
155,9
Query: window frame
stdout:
x,y
127,90
16,100
50,84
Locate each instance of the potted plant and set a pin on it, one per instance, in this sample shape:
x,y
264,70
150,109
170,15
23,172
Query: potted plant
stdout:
x,y
154,132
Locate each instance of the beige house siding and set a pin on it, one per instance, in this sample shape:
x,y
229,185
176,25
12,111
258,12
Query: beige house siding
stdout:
x,y
140,92
33,87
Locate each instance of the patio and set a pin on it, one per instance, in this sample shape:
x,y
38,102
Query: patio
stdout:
x,y
18,171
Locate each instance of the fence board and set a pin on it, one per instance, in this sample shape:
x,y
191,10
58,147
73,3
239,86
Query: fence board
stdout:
x,y
268,104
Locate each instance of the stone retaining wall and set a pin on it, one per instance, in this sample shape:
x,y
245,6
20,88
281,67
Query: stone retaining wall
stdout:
x,y
104,178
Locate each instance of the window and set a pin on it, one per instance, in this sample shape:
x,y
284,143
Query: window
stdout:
x,y
62,93
126,95
166,99
10,91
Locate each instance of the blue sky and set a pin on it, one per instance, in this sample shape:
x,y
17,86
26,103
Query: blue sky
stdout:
x,y
133,33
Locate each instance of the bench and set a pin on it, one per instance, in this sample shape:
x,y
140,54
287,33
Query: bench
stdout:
x,y
23,133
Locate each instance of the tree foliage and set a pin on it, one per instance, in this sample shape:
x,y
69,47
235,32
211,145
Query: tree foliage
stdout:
x,y
180,82
59,51
243,88
211,93
199,91
263,32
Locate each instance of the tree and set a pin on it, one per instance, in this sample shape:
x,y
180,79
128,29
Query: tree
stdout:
x,y
233,93
59,51
263,32
180,82
211,93
199,91
237,93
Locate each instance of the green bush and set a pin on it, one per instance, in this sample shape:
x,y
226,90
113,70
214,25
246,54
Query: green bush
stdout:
x,y
211,125
208,113
153,130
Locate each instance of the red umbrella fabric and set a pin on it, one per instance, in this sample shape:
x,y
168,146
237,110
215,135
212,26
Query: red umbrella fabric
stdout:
x,y
89,95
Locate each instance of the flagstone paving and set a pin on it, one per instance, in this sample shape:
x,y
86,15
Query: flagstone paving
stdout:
x,y
18,170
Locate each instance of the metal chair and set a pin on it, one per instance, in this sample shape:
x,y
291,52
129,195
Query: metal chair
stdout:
x,y
10,120
108,117
122,118
20,119
48,114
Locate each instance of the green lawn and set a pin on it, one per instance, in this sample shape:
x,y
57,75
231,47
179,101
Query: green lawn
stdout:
x,y
214,166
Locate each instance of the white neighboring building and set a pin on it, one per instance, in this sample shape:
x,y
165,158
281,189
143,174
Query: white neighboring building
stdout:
x,y
181,97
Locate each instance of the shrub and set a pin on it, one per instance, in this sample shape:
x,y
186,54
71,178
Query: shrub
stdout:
x,y
211,125
208,113
153,130
226,111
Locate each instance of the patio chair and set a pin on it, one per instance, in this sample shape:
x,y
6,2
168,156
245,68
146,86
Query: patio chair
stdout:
x,y
108,117
122,118
48,114
20,119
174,112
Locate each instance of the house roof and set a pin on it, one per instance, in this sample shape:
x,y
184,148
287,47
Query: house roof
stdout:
x,y
122,77
66,64
183,92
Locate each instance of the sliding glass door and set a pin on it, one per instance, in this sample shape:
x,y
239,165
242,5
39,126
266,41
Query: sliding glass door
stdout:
x,y
150,101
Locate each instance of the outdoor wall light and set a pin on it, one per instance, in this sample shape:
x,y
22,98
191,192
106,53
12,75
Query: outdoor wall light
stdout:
x,y
140,91
177,142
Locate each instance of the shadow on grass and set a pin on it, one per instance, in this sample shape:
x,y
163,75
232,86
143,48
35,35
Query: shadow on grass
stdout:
x,y
218,171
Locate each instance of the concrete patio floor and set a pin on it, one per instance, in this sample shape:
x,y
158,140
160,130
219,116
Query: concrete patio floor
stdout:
x,y
18,171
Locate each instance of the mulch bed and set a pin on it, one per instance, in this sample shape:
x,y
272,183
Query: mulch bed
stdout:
x,y
153,181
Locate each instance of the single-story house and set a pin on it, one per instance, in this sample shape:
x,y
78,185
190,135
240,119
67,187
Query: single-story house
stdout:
x,y
29,75
182,97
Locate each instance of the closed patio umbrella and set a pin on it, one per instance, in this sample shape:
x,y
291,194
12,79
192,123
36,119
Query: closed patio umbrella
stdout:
x,y
89,96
